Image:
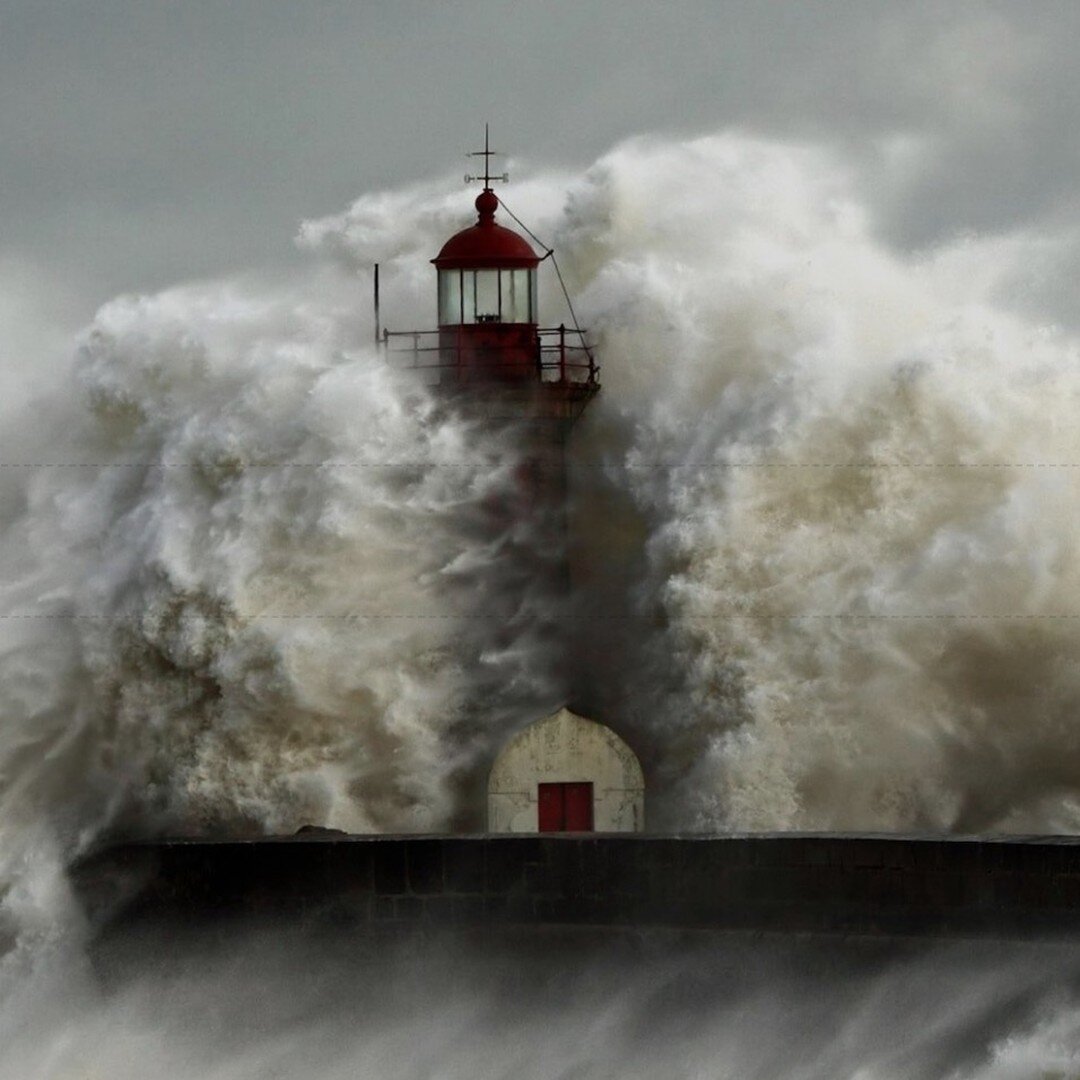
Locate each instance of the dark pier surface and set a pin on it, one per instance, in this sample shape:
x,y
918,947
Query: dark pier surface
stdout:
x,y
815,883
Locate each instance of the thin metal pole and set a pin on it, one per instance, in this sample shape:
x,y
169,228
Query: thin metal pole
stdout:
x,y
378,334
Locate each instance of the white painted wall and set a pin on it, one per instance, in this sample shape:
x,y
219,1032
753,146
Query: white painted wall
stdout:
x,y
565,748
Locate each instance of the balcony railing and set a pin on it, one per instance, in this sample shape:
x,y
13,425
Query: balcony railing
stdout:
x,y
560,354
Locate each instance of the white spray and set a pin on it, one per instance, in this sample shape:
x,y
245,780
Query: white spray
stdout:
x,y
823,536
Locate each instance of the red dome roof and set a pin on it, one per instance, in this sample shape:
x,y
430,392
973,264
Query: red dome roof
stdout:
x,y
485,243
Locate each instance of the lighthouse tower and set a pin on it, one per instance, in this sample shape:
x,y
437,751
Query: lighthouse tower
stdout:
x,y
494,360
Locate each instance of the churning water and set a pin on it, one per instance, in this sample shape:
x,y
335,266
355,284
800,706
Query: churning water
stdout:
x,y
826,577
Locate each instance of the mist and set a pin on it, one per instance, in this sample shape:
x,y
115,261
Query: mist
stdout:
x,y
825,577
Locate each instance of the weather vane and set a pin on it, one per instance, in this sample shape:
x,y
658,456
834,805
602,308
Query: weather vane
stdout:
x,y
487,154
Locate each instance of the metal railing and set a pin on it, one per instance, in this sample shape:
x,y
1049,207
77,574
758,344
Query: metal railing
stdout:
x,y
560,353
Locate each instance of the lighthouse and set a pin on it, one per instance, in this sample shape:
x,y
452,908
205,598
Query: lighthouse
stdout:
x,y
493,359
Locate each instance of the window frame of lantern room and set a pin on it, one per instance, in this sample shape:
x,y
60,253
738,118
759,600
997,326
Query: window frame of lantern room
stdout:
x,y
515,297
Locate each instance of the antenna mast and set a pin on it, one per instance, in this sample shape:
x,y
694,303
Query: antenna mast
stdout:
x,y
487,154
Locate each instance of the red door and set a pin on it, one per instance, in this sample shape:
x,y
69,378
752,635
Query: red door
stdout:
x,y
577,807
566,807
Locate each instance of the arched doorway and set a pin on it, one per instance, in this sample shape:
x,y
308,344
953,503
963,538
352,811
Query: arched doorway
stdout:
x,y
566,774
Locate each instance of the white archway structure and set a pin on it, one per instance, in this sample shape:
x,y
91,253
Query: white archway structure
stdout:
x,y
565,755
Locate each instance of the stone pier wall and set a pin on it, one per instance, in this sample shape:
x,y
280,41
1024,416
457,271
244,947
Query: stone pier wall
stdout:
x,y
784,882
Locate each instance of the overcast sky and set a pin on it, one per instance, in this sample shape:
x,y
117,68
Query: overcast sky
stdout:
x,y
145,142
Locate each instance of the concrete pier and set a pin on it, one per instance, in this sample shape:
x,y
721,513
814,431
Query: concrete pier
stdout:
x,y
820,883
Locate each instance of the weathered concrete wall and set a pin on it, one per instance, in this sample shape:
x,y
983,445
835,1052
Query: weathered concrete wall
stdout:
x,y
560,748
828,883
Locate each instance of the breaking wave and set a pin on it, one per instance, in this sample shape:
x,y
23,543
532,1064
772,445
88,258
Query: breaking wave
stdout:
x,y
823,548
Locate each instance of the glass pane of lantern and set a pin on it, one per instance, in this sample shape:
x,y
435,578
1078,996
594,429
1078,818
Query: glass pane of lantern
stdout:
x,y
506,296
534,310
515,296
525,287
487,295
449,297
468,284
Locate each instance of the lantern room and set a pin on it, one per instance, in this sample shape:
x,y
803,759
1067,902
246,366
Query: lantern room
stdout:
x,y
487,300
489,346
487,273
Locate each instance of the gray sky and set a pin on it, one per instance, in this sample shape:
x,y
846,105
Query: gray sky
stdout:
x,y
145,142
